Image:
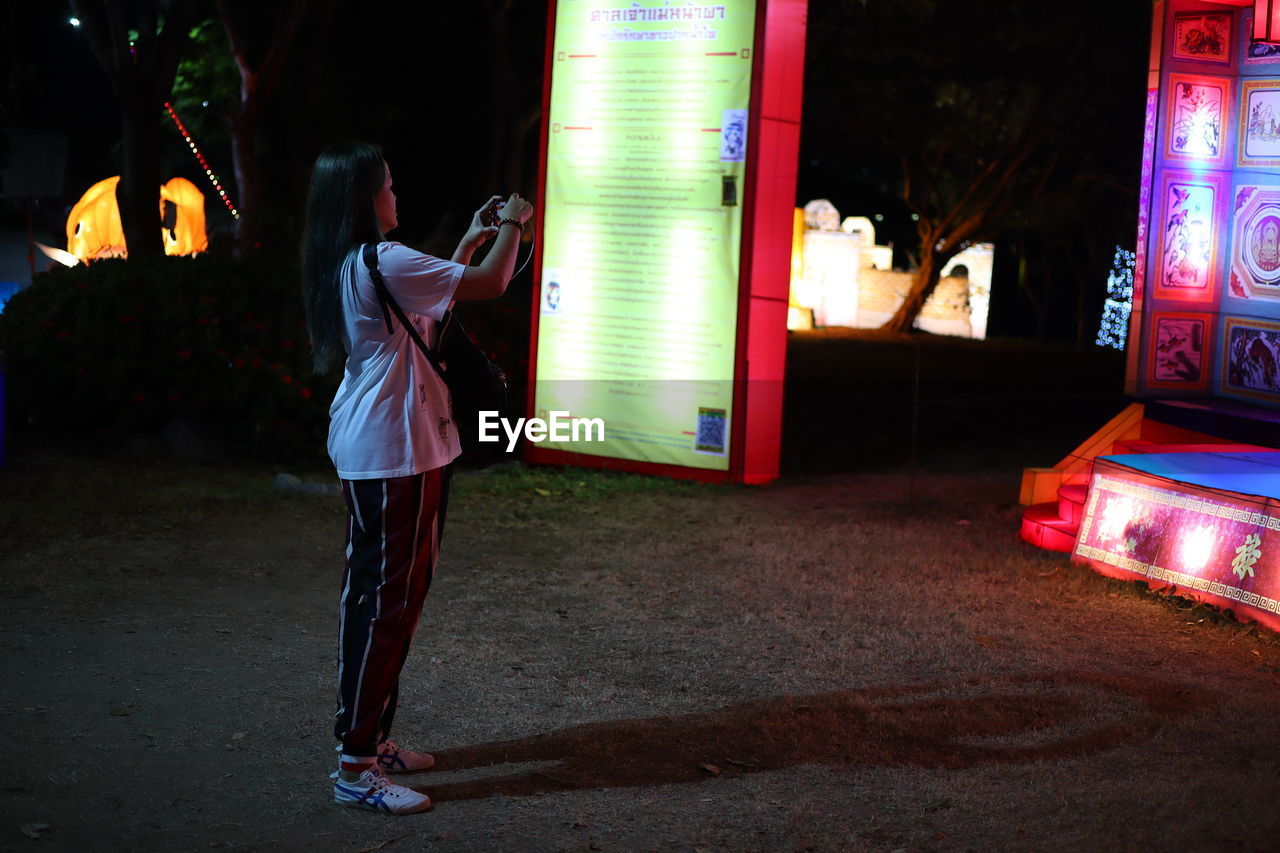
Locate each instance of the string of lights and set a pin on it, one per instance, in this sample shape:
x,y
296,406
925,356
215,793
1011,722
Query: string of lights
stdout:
x,y
204,164
1114,330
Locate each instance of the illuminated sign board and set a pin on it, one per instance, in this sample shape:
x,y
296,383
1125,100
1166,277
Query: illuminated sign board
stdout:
x,y
639,316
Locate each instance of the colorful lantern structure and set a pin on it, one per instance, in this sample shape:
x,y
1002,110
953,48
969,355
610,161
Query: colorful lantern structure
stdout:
x,y
186,235
93,227
1182,489
94,231
841,277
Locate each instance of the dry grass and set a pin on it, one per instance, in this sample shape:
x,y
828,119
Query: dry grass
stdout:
x,y
618,663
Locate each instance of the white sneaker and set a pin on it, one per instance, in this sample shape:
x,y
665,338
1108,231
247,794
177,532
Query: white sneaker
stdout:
x,y
373,792
395,759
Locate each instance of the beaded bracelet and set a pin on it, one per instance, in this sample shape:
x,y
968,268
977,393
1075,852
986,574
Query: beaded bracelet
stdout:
x,y
510,221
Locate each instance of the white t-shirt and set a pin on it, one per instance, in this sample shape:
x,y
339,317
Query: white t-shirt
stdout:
x,y
391,416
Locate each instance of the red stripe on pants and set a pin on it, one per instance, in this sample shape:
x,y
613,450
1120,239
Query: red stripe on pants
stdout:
x,y
393,534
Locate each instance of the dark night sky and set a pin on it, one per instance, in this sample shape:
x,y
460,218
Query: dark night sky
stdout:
x,y
54,83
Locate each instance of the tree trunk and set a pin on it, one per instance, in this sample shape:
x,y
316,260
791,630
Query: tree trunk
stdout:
x,y
1042,326
1024,282
244,137
142,78
138,193
928,274
258,85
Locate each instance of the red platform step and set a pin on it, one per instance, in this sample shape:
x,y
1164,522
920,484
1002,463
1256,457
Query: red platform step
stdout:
x,y
1044,528
1071,500
1053,525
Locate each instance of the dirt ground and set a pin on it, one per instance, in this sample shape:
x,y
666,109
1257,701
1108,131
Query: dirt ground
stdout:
x,y
616,663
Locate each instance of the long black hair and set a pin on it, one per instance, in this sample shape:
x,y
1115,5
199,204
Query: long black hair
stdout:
x,y
340,217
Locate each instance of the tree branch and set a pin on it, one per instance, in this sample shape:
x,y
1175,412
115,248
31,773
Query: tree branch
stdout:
x,y
237,46
144,47
169,46
121,57
273,64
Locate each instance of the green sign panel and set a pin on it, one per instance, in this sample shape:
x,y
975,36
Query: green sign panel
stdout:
x,y
642,226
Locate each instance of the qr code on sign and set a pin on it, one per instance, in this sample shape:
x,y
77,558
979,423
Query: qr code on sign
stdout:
x,y
711,436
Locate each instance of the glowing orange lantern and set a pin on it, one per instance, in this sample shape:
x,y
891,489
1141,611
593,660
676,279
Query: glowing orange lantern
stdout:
x,y
93,228
186,235
94,231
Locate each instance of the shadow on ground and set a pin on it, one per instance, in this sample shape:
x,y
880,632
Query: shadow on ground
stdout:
x,y
948,725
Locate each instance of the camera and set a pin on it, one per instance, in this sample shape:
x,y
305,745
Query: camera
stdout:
x,y
491,213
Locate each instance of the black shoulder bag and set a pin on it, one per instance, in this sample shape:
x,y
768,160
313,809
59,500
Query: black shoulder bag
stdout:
x,y
475,383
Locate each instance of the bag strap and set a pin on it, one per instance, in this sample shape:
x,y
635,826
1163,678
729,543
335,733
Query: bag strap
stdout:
x,y
369,252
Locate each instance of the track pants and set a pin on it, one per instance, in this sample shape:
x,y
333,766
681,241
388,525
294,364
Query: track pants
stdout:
x,y
393,538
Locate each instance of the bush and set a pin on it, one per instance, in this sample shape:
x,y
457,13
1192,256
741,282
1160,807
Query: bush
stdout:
x,y
128,346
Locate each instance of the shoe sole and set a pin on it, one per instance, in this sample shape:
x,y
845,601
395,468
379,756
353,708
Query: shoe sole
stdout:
x,y
365,805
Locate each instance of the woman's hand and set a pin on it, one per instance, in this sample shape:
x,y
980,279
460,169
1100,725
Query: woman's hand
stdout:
x,y
490,278
517,208
478,232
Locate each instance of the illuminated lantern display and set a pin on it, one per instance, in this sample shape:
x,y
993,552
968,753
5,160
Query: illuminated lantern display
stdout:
x,y
1182,489
186,234
94,231
1190,522
840,277
1114,330
799,305
829,265
93,226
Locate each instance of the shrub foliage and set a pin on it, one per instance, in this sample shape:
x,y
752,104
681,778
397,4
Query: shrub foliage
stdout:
x,y
121,346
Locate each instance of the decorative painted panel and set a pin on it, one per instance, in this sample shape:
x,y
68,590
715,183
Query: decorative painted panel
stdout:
x,y
1255,243
1197,118
1188,236
1203,37
1179,348
1251,363
1259,136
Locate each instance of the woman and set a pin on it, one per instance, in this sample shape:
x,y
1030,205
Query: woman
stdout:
x,y
391,437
